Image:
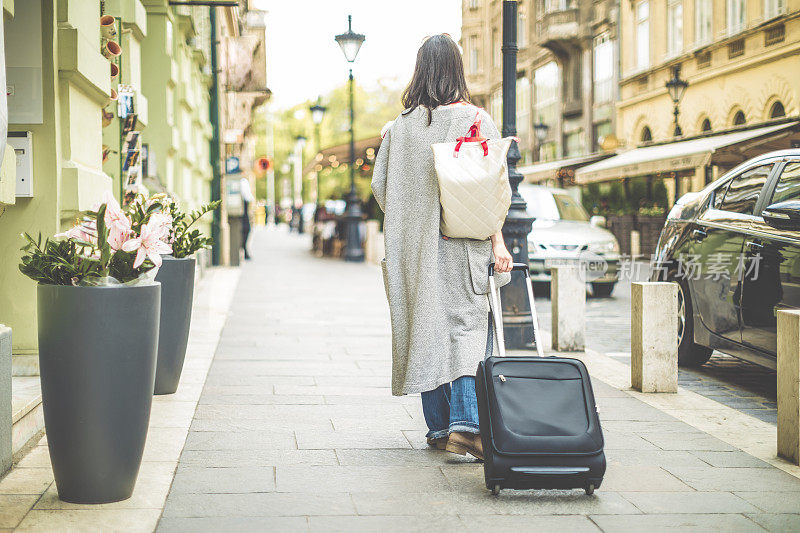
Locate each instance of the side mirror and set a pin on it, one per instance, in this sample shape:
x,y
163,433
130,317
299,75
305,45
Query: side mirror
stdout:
x,y
783,215
598,221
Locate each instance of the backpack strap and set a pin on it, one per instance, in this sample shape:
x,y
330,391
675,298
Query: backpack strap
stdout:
x,y
473,135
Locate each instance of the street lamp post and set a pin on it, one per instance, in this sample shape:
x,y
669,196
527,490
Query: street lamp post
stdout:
x,y
299,144
676,87
350,43
317,114
516,309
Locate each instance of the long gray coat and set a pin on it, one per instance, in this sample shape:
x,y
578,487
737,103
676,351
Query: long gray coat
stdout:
x,y
436,288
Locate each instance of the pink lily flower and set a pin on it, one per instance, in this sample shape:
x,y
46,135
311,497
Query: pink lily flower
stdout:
x,y
115,216
148,244
117,237
163,222
83,231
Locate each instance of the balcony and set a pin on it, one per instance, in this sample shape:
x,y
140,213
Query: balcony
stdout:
x,y
558,29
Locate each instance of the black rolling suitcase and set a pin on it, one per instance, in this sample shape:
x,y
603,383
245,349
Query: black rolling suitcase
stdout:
x,y
538,417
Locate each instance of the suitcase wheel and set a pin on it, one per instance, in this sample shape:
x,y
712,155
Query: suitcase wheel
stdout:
x,y
589,489
496,489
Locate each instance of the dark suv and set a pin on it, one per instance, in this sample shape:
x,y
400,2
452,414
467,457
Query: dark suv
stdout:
x,y
734,250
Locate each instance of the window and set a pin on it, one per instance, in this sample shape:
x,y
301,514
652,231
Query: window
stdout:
x,y
603,69
546,93
647,135
553,6
773,8
737,11
522,29
706,125
546,89
774,35
788,187
474,4
474,57
643,35
739,119
573,143
777,110
703,13
744,190
674,27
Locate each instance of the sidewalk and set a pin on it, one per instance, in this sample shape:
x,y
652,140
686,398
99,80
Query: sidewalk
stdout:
x,y
296,430
28,497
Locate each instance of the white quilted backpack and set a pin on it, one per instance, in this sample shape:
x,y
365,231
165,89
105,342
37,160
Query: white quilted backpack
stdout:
x,y
473,184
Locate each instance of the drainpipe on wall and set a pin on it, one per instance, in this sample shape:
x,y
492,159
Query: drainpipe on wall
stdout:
x,y
213,114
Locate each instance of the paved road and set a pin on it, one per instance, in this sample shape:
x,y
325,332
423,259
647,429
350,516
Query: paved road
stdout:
x,y
296,431
735,383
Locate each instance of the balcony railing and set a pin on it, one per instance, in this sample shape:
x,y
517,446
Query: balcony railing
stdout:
x,y
559,26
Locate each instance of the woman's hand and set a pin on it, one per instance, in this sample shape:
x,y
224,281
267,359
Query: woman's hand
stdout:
x,y
502,258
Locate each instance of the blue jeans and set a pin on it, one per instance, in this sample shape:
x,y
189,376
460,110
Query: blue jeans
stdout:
x,y
454,406
451,407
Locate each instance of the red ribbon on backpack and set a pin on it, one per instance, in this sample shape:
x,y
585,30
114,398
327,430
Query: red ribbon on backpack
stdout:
x,y
473,135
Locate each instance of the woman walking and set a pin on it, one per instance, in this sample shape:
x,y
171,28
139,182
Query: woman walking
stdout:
x,y
437,287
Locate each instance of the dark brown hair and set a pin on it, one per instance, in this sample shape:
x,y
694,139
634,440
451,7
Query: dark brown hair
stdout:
x,y
438,76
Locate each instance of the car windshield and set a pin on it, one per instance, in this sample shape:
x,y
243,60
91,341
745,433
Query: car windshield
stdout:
x,y
547,205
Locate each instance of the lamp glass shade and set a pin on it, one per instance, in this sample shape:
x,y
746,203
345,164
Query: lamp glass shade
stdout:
x,y
350,43
540,130
300,142
676,86
317,112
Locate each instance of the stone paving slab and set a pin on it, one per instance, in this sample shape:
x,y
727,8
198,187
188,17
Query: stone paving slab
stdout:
x,y
303,328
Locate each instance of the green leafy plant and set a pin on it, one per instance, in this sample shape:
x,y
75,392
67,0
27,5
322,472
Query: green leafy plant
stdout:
x,y
107,246
184,239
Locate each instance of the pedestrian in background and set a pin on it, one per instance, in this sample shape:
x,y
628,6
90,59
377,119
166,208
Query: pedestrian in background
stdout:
x,y
436,286
247,199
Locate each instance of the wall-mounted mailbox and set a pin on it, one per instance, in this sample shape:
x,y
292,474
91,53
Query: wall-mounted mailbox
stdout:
x,y
22,142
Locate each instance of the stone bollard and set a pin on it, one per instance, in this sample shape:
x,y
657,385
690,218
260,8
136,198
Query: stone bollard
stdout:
x,y
568,304
789,385
654,340
5,399
636,244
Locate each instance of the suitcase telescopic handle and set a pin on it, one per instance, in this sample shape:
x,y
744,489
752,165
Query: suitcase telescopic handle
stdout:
x,y
497,313
515,266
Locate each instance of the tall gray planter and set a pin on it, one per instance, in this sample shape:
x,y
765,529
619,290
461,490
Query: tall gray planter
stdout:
x,y
177,289
97,357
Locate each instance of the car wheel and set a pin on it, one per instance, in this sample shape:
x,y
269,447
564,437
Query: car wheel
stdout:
x,y
602,290
690,354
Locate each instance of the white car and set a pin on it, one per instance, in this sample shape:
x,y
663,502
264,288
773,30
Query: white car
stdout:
x,y
564,233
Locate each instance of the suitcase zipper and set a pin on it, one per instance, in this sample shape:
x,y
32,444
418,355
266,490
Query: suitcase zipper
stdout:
x,y
502,377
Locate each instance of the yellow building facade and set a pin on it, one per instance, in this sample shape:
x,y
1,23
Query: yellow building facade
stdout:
x,y
741,59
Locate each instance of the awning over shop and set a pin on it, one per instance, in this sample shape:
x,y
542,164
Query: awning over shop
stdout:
x,y
366,150
721,149
550,169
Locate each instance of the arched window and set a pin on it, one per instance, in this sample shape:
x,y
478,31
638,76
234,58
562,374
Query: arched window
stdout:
x,y
706,125
647,135
777,110
739,118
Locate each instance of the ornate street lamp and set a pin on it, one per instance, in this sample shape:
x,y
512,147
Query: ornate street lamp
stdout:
x,y
516,310
299,144
540,130
676,87
317,114
350,44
